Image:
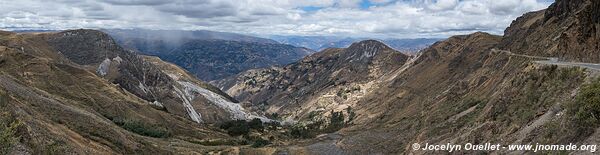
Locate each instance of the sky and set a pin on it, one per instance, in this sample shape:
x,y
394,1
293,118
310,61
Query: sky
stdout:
x,y
345,18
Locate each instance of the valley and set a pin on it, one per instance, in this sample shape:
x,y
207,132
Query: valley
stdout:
x,y
138,91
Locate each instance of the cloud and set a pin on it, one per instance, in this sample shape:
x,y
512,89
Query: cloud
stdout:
x,y
358,18
137,2
380,1
440,5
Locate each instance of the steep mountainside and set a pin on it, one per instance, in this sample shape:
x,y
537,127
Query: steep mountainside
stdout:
x,y
569,29
459,90
59,107
314,82
162,87
209,55
78,92
217,59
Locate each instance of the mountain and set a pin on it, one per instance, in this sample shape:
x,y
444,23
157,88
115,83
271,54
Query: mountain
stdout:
x,y
315,79
317,43
181,35
567,29
410,46
477,88
157,42
209,55
312,42
78,92
217,59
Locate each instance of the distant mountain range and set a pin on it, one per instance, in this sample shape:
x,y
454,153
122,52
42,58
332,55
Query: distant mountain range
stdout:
x,y
209,55
318,43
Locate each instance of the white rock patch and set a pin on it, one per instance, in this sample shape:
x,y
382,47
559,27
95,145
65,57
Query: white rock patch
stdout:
x,y
103,68
156,103
187,103
236,110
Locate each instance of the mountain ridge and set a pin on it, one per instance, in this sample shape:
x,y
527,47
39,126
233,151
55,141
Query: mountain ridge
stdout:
x,y
461,89
209,55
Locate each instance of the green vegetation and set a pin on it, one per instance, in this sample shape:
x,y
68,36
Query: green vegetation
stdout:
x,y
236,127
343,93
586,108
273,116
243,128
316,126
537,89
142,128
56,147
260,143
351,114
256,124
448,111
336,122
217,142
8,127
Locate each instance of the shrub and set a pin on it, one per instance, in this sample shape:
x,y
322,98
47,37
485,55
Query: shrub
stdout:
x,y
260,143
587,106
336,122
273,116
256,124
310,130
56,147
301,131
8,127
143,129
351,114
272,125
236,127
8,134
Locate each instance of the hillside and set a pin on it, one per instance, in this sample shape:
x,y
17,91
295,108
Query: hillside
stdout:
x,y
209,55
78,92
217,59
476,88
64,107
567,29
319,82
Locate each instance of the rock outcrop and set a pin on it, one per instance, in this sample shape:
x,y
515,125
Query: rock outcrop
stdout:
x,y
569,30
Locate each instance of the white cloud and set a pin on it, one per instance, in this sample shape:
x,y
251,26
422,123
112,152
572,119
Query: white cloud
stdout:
x,y
389,18
440,5
380,1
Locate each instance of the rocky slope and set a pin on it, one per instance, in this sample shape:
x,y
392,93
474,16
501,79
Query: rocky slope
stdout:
x,y
217,59
319,82
57,106
567,29
459,90
78,92
209,55
160,86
